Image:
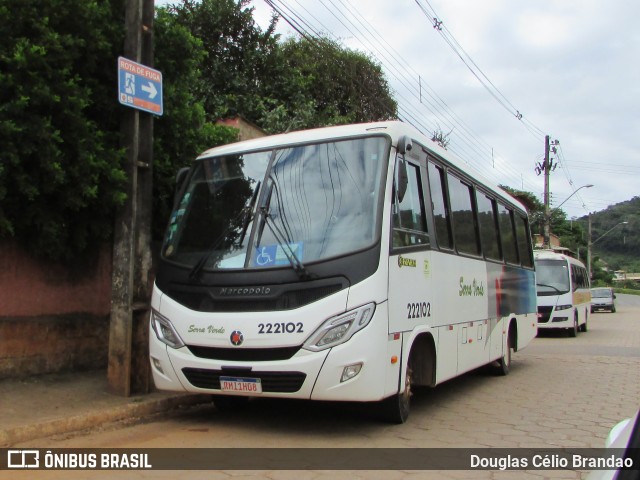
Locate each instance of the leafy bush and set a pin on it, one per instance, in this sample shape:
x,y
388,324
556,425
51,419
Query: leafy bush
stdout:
x,y
61,174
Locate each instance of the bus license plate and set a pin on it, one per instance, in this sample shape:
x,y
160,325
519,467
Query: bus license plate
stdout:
x,y
240,385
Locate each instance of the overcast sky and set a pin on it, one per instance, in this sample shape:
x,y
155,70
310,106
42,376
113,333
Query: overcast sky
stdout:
x,y
570,67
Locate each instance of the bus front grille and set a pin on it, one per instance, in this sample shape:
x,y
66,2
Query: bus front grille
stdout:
x,y
286,298
543,314
275,382
244,354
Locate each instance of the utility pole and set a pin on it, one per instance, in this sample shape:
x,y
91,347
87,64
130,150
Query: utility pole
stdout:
x,y
589,247
547,213
128,368
547,167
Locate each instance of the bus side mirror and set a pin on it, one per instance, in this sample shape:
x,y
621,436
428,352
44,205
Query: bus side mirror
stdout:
x,y
404,146
403,179
181,176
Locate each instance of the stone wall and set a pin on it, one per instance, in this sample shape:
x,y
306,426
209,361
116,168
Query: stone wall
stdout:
x,y
53,317
34,346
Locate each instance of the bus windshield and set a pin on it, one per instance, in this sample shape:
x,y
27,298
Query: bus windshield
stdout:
x,y
316,201
552,277
601,292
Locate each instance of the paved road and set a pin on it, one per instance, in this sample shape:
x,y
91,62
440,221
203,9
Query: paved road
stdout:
x,y
561,392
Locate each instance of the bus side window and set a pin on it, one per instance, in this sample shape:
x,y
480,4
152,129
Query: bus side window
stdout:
x,y
507,235
522,234
464,225
409,220
441,215
488,226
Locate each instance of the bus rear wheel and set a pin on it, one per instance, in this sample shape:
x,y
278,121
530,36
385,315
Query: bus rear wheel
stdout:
x,y
395,409
504,364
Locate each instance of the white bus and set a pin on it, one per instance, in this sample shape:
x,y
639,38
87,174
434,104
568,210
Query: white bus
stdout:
x,y
346,263
564,297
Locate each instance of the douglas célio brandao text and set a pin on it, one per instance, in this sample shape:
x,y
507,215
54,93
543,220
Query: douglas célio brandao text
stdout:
x,y
549,461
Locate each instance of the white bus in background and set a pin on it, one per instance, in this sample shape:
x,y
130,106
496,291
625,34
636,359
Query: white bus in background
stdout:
x,y
564,297
346,264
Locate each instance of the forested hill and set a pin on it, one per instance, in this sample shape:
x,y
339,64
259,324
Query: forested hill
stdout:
x,y
620,247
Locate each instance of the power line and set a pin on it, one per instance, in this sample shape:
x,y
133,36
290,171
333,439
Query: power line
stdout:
x,y
564,163
475,70
469,149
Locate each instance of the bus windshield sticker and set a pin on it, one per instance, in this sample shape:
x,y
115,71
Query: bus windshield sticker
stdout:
x,y
274,255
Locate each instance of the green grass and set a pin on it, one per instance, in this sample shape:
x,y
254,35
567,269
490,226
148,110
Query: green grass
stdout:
x,y
628,291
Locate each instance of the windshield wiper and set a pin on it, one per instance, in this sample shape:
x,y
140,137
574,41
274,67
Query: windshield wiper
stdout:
x,y
249,216
293,259
550,286
280,237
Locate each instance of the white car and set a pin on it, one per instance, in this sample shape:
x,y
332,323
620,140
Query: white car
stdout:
x,y
603,298
624,436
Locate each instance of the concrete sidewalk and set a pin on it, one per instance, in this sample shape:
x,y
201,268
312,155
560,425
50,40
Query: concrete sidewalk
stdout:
x,y
42,406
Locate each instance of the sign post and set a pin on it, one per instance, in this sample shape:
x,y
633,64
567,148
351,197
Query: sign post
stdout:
x,y
140,87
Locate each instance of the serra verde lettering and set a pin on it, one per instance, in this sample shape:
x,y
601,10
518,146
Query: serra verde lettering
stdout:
x,y
406,262
473,288
208,329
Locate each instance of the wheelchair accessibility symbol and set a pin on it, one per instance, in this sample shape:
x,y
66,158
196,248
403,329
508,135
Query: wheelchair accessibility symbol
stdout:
x,y
272,255
266,256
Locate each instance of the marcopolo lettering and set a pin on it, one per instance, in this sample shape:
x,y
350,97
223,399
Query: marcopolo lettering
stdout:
x,y
244,291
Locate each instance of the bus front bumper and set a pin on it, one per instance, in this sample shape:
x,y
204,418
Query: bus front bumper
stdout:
x,y
306,375
559,321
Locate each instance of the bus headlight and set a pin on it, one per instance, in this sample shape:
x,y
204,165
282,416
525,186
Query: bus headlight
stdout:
x,y
563,307
165,330
341,328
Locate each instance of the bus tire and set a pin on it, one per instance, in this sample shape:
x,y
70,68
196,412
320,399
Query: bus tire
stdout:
x,y
573,332
228,403
583,327
504,364
395,409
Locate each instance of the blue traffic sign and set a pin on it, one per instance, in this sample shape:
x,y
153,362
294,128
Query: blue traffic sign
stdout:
x,y
139,86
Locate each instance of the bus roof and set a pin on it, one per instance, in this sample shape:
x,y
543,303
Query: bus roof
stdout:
x,y
392,129
551,255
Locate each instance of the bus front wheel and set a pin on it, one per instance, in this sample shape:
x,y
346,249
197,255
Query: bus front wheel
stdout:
x,y
573,332
395,409
583,327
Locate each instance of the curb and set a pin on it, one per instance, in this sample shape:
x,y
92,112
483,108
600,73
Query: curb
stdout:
x,y
97,418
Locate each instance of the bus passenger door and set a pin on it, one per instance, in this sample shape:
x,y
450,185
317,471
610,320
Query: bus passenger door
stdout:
x,y
409,267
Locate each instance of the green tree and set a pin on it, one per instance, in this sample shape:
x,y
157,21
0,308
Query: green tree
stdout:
x,y
238,65
295,84
60,174
343,85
